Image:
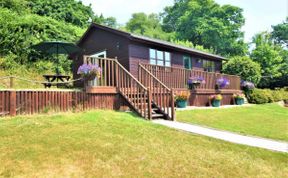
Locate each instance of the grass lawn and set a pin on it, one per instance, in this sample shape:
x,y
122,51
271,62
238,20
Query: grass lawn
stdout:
x,y
270,120
108,143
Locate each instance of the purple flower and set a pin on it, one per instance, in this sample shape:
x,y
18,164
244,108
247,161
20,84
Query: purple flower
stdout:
x,y
89,70
247,85
222,82
196,80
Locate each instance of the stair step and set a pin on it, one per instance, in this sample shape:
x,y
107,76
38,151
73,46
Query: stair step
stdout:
x,y
157,116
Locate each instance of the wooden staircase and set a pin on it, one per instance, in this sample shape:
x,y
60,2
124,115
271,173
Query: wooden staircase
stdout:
x,y
148,97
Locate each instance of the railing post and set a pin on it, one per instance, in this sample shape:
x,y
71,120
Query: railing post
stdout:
x,y
149,104
172,106
12,104
11,82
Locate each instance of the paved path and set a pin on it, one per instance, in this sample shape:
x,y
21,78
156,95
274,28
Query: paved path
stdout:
x,y
227,136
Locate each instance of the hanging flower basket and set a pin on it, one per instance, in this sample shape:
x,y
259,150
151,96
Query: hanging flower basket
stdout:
x,y
89,72
194,82
222,83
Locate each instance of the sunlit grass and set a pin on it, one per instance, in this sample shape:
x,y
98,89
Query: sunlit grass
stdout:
x,y
108,143
270,120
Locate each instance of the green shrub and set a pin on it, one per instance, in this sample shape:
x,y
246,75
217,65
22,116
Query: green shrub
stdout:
x,y
261,96
257,96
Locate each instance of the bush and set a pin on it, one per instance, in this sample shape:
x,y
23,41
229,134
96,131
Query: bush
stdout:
x,y
244,67
261,96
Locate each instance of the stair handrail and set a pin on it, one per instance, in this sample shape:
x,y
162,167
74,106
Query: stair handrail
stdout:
x,y
168,91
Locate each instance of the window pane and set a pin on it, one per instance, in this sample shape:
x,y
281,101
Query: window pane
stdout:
x,y
167,56
168,63
152,53
152,61
187,62
160,55
160,63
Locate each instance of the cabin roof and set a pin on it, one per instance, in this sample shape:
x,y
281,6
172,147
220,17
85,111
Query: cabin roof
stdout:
x,y
143,39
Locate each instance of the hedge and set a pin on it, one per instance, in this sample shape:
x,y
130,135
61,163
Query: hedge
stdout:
x,y
261,96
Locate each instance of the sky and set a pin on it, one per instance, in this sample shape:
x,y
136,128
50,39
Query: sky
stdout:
x,y
259,14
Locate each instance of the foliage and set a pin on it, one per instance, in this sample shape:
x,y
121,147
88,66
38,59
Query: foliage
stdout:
x,y
207,24
246,85
268,55
243,67
216,97
148,25
261,96
182,96
280,33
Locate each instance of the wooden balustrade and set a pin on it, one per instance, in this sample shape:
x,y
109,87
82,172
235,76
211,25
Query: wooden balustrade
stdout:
x,y
114,74
160,93
176,77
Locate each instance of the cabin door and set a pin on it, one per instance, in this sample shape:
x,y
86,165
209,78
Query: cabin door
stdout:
x,y
102,54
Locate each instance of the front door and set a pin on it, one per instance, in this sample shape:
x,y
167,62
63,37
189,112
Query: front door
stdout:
x,y
102,54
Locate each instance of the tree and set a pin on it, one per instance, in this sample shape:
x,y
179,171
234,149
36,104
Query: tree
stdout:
x,y
244,67
280,33
268,55
148,25
204,22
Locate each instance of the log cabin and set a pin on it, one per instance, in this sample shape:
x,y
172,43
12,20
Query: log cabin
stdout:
x,y
148,72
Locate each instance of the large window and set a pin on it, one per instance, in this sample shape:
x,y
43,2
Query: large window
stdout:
x,y
160,58
187,62
209,66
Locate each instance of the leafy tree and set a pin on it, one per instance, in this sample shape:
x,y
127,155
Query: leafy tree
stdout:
x,y
148,25
269,57
280,33
208,24
244,67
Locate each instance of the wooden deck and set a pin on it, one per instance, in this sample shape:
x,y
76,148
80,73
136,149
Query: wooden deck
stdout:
x,y
151,95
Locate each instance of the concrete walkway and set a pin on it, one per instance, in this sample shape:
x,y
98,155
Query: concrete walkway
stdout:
x,y
227,136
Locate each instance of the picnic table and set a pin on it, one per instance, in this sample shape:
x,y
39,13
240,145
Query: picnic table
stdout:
x,y
55,78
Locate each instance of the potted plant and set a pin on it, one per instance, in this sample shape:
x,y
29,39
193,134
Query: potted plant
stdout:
x,y
181,99
216,100
194,82
222,83
239,98
89,72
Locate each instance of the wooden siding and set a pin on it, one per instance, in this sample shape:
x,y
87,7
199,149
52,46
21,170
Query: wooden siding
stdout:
x,y
39,101
139,53
98,40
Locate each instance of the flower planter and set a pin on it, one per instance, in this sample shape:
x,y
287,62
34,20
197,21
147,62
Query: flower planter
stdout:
x,y
216,103
239,101
181,104
193,86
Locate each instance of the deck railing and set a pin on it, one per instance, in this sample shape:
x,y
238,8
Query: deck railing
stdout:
x,y
114,74
176,77
162,96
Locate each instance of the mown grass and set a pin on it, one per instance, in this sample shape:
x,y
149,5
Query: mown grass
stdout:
x,y
114,144
270,120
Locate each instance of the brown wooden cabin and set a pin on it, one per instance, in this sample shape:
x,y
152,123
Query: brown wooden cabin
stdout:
x,y
133,64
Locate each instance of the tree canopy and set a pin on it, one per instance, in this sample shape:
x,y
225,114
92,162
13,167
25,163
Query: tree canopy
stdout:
x,y
206,23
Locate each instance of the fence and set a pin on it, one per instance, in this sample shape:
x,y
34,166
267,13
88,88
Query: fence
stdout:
x,y
14,102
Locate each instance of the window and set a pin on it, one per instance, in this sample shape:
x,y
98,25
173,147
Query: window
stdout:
x,y
160,58
209,66
187,62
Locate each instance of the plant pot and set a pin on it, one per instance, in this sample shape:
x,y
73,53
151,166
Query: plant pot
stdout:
x,y
181,104
239,101
193,86
216,103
